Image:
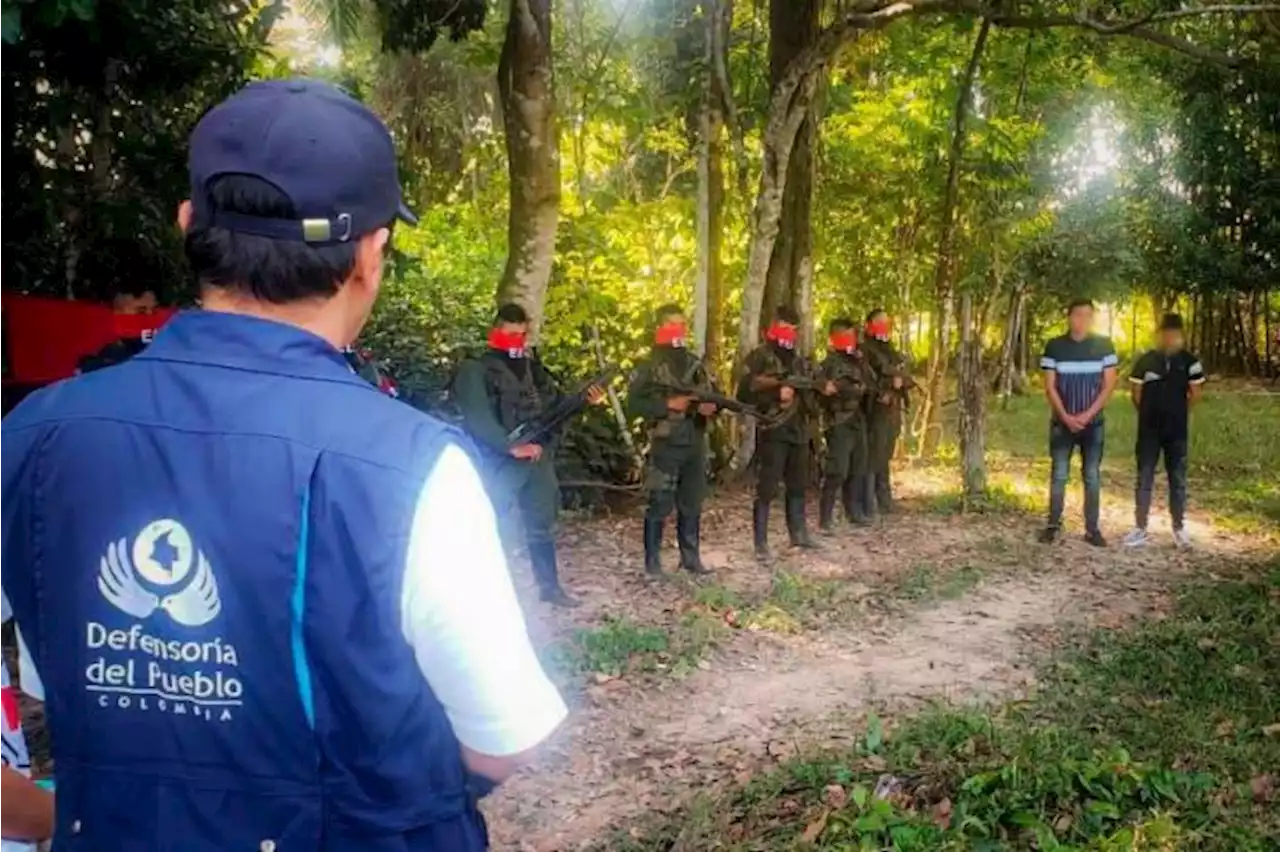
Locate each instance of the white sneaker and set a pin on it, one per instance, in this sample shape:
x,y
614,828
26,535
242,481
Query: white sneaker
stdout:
x,y
1182,538
1137,537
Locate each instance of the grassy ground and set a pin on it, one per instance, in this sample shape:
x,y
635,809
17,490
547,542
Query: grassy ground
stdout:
x,y
1165,735
1158,738
1234,457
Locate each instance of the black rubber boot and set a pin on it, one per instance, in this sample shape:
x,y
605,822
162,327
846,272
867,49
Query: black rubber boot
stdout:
x,y
827,507
652,548
542,556
858,497
689,535
760,530
883,494
795,523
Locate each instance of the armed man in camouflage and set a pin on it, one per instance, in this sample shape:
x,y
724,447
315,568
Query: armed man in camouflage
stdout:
x,y
780,382
677,424
497,392
885,412
847,473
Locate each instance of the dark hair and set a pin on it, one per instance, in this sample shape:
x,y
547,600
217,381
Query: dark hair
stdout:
x,y
1079,303
839,324
135,288
512,313
276,271
1171,322
875,312
670,309
787,314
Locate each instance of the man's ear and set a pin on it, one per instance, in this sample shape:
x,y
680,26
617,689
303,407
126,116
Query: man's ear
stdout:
x,y
369,255
184,216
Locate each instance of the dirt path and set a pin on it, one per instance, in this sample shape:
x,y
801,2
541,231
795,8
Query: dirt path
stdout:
x,y
632,747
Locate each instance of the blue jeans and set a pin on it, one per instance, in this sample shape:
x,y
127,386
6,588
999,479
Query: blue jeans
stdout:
x,y
1062,441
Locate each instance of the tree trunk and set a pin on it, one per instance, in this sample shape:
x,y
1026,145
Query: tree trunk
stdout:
x,y
709,294
793,26
1255,357
1009,346
533,158
944,268
972,400
1268,342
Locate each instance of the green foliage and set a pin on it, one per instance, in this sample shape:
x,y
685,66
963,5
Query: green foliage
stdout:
x,y
1151,739
927,583
98,102
620,647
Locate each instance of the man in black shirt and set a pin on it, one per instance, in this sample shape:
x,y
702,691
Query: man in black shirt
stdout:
x,y
1166,382
1079,376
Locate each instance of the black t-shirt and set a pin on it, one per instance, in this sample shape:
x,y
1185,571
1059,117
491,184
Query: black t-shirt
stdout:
x,y
1166,380
1078,367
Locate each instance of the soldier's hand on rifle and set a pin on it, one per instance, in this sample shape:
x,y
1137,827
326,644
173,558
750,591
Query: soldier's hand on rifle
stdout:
x,y
786,394
678,403
897,383
707,409
595,395
829,389
526,452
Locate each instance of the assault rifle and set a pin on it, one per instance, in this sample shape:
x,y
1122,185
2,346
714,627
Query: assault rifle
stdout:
x,y
720,401
537,429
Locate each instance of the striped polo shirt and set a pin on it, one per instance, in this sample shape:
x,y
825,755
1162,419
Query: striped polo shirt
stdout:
x,y
1077,367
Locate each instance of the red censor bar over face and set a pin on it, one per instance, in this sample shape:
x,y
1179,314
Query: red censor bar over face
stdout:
x,y
44,339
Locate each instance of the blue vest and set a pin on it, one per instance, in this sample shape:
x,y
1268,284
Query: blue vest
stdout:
x,y
204,548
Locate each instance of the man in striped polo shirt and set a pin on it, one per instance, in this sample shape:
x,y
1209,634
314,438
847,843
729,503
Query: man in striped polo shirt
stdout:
x,y
1079,376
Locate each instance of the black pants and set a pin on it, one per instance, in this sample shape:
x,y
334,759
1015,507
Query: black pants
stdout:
x,y
1151,445
848,467
781,460
883,427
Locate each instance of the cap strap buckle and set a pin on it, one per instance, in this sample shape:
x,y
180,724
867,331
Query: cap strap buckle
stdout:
x,y
321,230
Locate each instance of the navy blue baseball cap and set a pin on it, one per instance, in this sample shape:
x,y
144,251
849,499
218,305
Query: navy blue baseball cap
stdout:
x,y
327,152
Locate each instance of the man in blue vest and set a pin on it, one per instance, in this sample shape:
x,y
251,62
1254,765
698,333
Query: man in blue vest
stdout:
x,y
267,603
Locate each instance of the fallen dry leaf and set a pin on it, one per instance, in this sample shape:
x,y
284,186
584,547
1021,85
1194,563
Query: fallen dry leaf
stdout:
x,y
1262,787
814,829
941,812
1272,730
835,796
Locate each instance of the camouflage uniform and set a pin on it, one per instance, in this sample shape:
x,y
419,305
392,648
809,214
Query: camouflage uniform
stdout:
x,y
496,393
782,447
846,473
885,415
677,475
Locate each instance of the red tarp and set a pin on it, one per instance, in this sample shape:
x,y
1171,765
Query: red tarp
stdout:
x,y
44,339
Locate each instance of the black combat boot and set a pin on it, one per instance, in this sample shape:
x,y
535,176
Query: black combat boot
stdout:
x,y
857,499
883,494
760,529
689,535
827,507
542,556
652,547
795,523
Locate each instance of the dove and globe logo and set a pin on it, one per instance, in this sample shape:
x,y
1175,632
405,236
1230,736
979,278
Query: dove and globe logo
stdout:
x,y
164,581
162,570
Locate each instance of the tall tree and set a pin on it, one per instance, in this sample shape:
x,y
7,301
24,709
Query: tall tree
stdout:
x,y
793,25
527,94
944,276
